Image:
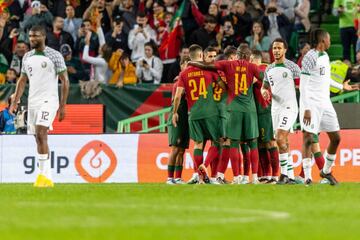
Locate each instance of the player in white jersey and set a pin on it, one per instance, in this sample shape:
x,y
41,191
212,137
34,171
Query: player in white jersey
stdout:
x,y
43,67
280,77
316,110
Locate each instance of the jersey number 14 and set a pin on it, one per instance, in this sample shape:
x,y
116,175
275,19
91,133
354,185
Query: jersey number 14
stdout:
x,y
241,87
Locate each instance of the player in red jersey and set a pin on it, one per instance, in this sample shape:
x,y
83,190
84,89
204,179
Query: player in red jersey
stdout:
x,y
178,136
197,85
268,152
242,122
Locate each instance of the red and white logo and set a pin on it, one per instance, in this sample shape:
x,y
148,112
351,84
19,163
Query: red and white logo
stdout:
x,y
95,162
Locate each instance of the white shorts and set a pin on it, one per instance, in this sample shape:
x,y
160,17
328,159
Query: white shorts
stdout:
x,y
323,118
284,118
43,116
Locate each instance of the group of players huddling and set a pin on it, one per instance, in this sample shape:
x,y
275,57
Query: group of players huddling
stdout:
x,y
240,103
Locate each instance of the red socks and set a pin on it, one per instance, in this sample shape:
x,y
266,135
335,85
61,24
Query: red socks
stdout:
x,y
254,158
224,159
213,153
235,160
198,158
274,161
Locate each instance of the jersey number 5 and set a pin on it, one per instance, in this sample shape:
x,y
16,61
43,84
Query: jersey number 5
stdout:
x,y
196,90
242,87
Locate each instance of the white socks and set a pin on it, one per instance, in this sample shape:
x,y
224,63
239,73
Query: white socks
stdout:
x,y
329,161
44,165
306,163
283,157
290,168
220,175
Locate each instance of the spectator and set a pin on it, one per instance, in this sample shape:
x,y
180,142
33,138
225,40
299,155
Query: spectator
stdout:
x,y
149,68
302,21
170,6
157,14
6,24
11,76
99,8
241,19
212,11
58,36
258,40
71,24
174,69
75,69
40,16
169,49
15,59
303,49
124,72
80,42
127,12
205,35
138,36
7,120
226,36
275,23
100,63
116,38
346,10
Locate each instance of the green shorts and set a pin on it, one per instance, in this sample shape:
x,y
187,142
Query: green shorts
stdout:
x,y
207,128
266,132
242,126
179,136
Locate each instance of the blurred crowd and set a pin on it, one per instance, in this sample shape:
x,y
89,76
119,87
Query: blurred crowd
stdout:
x,y
123,42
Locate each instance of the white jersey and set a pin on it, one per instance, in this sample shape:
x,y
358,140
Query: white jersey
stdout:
x,y
281,80
42,69
315,79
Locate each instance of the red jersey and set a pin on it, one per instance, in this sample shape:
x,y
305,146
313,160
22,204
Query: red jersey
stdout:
x,y
198,92
239,76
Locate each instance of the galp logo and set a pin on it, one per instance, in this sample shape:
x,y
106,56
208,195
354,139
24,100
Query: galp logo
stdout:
x,y
95,162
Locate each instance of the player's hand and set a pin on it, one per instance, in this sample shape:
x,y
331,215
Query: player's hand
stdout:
x,y
307,117
175,119
61,113
348,87
13,107
266,95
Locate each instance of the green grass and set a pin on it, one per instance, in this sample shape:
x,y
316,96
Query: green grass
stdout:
x,y
159,211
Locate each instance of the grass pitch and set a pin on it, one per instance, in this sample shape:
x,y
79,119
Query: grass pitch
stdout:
x,y
159,211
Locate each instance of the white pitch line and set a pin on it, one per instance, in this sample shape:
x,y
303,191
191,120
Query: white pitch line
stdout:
x,y
223,215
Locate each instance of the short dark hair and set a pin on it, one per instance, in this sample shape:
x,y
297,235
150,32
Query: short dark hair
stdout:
x,y
38,28
184,60
280,40
256,53
141,14
221,57
244,52
209,49
210,19
229,50
193,49
86,20
316,36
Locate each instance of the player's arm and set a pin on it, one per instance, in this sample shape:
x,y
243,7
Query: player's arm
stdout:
x,y
64,79
345,86
220,82
265,87
20,87
308,63
179,92
209,67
